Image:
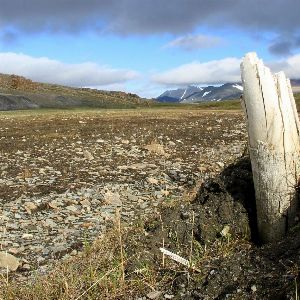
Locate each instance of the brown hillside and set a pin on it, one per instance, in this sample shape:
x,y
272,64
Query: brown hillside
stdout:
x,y
18,92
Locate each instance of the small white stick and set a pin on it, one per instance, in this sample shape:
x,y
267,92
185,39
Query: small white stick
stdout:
x,y
175,257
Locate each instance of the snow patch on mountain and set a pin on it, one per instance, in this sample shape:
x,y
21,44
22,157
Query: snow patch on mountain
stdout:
x,y
183,94
237,86
206,93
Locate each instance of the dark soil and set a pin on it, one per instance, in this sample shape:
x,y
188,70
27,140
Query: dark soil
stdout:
x,y
226,266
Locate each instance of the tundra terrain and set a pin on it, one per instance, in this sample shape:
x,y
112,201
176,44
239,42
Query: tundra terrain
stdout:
x,y
89,196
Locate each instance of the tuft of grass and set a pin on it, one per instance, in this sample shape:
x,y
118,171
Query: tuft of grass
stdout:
x,y
119,265
96,274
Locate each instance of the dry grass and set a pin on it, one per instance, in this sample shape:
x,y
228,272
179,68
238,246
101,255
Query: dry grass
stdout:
x,y
116,266
96,274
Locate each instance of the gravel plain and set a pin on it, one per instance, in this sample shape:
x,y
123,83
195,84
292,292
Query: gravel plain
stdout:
x,y
65,174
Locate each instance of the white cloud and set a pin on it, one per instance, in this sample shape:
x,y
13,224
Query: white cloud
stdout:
x,y
48,70
212,72
292,66
192,42
220,71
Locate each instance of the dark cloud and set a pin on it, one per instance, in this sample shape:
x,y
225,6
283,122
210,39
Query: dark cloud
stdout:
x,y
284,45
8,37
193,42
152,16
281,48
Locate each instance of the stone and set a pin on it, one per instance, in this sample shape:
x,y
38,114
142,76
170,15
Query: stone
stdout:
x,y
154,295
59,249
225,231
30,207
220,164
72,208
152,180
88,155
155,148
16,250
143,205
27,236
9,261
113,199
158,194
253,288
53,204
50,223
165,192
85,202
26,267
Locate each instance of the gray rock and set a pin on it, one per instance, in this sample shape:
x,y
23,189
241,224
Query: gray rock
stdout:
x,y
59,249
88,155
154,295
112,199
72,208
30,207
50,223
9,261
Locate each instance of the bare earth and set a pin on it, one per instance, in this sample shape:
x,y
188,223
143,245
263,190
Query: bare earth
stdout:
x,y
64,174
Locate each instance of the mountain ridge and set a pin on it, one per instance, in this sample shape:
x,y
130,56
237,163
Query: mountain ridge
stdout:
x,y
18,92
195,94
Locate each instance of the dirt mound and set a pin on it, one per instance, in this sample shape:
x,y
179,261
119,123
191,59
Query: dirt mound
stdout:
x,y
217,232
224,206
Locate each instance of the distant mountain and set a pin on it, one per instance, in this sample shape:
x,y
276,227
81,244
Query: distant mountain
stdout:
x,y
194,94
295,85
295,82
212,93
178,94
17,92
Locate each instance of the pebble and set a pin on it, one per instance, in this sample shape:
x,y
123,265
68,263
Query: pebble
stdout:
x,y
253,288
88,155
154,295
8,261
27,236
30,206
152,180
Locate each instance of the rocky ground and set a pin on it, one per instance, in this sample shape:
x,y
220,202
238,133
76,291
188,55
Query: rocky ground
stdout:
x,y
64,175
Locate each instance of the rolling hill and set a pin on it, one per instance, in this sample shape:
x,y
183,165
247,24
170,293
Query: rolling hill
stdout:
x,y
17,92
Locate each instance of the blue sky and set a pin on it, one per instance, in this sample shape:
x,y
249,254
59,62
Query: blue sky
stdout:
x,y
144,46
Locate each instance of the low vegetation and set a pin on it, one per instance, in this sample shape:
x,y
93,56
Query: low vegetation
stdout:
x,y
17,92
120,266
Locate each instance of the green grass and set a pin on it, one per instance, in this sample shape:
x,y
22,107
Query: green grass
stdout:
x,y
211,105
297,99
221,105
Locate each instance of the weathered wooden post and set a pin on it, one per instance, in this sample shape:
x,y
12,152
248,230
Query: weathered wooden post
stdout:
x,y
273,129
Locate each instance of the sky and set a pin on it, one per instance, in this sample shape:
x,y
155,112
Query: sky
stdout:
x,y
146,46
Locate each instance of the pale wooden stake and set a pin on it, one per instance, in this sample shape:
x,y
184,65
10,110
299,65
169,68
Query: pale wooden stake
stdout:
x,y
273,128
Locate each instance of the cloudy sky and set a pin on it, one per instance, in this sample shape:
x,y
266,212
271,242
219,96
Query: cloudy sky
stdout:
x,y
145,46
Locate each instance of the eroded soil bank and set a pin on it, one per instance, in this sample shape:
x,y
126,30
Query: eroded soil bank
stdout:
x,y
228,261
